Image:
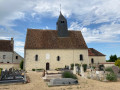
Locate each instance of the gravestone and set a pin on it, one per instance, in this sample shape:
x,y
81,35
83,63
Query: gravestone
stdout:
x,y
63,81
11,76
116,70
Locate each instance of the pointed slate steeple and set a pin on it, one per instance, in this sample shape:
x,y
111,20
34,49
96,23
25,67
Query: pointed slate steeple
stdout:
x,y
62,26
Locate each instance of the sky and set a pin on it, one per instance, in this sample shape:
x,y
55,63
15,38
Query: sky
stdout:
x,y
98,20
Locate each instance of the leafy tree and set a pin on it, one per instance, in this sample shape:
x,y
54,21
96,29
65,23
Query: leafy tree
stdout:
x,y
113,58
117,63
118,57
21,64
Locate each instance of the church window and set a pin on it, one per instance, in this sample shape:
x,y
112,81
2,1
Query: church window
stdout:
x,y
16,57
92,61
62,21
58,58
81,57
36,57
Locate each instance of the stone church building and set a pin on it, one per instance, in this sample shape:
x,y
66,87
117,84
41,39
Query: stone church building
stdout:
x,y
51,49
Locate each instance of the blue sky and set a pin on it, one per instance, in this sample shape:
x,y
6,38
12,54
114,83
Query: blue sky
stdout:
x,y
98,20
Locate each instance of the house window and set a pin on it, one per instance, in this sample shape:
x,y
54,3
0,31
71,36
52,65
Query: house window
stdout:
x,y
58,58
81,57
36,57
92,61
62,21
4,56
16,57
8,62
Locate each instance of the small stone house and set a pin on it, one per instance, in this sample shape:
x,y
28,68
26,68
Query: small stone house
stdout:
x,y
51,49
8,57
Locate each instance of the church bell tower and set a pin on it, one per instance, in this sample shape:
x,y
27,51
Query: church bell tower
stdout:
x,y
62,26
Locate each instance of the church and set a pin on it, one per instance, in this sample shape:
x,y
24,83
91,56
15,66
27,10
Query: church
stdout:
x,y
51,49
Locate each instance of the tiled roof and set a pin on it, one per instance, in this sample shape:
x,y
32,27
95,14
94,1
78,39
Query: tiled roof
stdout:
x,y
93,52
48,39
5,45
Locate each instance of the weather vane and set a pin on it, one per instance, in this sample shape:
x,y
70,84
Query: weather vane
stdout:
x,y
60,5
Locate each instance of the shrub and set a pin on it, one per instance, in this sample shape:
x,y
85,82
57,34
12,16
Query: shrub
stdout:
x,y
33,69
1,68
40,69
111,77
21,64
109,69
67,74
0,72
117,63
84,67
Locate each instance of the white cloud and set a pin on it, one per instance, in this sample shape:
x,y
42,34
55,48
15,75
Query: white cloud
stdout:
x,y
104,33
4,38
20,50
19,43
86,11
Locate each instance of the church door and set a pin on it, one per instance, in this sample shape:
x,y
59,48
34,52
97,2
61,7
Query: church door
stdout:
x,y
47,66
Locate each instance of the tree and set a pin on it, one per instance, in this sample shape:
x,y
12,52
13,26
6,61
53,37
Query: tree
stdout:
x,y
113,58
117,63
21,64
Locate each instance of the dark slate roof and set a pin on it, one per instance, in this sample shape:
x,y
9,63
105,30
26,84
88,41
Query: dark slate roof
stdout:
x,y
48,39
5,45
93,52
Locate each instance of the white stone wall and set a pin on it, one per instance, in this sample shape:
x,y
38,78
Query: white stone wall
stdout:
x,y
9,65
97,59
8,58
17,60
67,56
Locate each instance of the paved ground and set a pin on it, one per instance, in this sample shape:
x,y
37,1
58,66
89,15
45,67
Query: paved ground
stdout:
x,y
84,84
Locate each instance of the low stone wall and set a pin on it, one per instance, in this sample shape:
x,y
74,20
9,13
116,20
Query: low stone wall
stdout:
x,y
108,64
9,65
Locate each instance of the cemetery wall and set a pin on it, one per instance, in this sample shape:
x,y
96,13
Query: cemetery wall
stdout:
x,y
9,65
67,56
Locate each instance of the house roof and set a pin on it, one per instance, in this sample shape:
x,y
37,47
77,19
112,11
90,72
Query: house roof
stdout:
x,y
93,52
6,45
48,39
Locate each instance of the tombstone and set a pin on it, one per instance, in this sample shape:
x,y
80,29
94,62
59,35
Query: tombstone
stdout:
x,y
116,70
43,73
62,81
81,71
101,67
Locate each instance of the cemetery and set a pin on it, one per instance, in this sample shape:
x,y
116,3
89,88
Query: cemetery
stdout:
x,y
12,76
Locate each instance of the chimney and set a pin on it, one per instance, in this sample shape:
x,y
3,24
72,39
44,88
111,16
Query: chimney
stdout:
x,y
12,43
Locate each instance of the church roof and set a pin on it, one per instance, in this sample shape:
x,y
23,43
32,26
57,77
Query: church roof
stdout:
x,y
48,39
5,45
93,52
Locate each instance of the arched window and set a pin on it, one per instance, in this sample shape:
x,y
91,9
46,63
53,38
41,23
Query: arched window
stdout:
x,y
36,57
58,58
92,61
81,57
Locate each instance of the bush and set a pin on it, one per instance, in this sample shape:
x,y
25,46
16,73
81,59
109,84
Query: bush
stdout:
x,y
0,72
111,77
84,67
1,68
117,63
67,74
33,69
21,64
109,69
